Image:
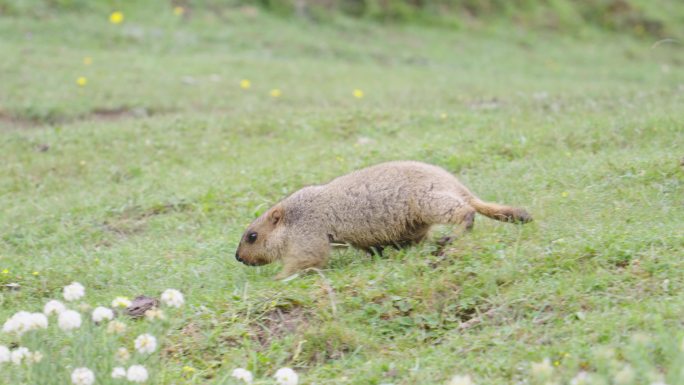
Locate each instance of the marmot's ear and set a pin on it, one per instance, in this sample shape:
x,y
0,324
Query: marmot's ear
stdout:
x,y
275,215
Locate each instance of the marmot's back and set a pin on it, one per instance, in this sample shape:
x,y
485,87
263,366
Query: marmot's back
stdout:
x,y
386,203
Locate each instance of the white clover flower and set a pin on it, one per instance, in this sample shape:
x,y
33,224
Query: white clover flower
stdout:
x,y
146,343
102,313
582,378
35,357
137,373
5,354
16,323
155,313
37,321
116,327
23,321
121,302
82,376
119,372
11,325
243,374
625,376
19,354
172,297
122,355
461,380
74,291
286,376
69,320
542,369
53,307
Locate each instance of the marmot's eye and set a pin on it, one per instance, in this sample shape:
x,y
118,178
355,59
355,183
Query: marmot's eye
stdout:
x,y
251,237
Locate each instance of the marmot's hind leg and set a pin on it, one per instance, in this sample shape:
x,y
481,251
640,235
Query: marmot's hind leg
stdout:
x,y
469,220
448,208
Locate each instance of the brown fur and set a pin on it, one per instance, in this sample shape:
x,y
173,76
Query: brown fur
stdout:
x,y
390,204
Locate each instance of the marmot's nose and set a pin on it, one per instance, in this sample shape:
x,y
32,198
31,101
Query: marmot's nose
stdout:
x,y
237,256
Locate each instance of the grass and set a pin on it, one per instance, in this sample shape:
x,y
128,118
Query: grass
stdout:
x,y
145,178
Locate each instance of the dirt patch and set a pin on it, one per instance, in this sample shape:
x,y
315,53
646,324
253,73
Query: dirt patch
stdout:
x,y
279,322
10,121
132,220
119,113
162,208
191,335
192,330
123,228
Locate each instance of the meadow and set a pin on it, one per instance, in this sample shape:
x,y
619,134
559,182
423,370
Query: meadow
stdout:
x,y
135,151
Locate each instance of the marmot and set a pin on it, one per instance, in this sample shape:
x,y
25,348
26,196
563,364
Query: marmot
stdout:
x,y
389,204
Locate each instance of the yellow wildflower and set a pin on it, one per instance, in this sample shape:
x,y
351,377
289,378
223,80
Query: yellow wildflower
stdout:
x,y
35,273
564,194
178,11
245,84
276,93
5,271
81,81
358,93
116,17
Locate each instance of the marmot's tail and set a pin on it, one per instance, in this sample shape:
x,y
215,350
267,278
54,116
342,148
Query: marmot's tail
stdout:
x,y
500,212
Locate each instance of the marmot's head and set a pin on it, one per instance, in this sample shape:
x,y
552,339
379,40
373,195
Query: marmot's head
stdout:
x,y
264,240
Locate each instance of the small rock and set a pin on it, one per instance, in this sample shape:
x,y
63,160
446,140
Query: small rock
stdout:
x,y
11,286
140,305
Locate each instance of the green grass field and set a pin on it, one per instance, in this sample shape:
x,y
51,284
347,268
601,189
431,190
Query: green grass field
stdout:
x,y
145,177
